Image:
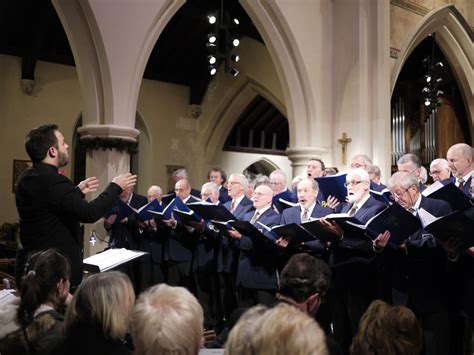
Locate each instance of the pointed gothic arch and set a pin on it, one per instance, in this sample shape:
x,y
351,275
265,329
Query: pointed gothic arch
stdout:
x,y
455,39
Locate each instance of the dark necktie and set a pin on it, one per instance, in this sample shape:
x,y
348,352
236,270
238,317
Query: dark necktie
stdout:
x,y
412,210
254,218
461,183
232,206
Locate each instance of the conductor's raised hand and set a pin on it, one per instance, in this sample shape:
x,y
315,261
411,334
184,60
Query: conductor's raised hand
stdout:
x,y
125,181
89,185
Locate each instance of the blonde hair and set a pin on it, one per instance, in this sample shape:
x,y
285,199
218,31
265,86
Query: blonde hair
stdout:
x,y
387,329
287,330
106,299
167,320
240,337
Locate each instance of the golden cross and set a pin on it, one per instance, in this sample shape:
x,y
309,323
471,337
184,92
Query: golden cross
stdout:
x,y
344,141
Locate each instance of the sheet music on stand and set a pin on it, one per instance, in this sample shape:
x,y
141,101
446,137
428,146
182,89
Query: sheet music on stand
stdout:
x,y
110,259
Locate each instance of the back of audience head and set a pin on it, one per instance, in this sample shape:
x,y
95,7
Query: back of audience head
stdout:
x,y
284,330
167,320
103,300
305,280
389,330
240,337
46,280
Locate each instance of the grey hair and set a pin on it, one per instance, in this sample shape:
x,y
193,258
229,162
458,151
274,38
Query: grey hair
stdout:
x,y
242,179
403,180
410,158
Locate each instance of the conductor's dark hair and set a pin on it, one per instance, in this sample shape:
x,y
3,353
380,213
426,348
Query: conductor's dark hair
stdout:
x,y
303,276
223,174
43,271
39,140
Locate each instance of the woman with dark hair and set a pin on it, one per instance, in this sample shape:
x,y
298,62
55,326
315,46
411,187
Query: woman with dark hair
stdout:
x,y
96,321
32,324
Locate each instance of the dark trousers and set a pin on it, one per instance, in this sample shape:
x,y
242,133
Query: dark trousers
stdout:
x,y
151,273
436,332
179,274
228,293
209,296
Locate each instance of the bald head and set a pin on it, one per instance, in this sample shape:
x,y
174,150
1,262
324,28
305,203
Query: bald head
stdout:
x,y
182,189
262,196
460,159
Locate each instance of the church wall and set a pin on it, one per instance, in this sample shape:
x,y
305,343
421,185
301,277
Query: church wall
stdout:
x,y
55,98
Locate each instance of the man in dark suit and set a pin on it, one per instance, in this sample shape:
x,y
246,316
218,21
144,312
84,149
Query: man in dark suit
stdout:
x,y
257,269
307,191
152,236
219,177
352,259
426,273
179,174
461,162
181,243
228,250
124,233
50,206
439,170
411,164
279,184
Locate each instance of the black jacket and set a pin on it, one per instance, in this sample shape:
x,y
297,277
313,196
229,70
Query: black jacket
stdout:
x,y
50,209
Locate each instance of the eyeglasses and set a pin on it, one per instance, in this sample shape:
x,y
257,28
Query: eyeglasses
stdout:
x,y
357,165
398,195
435,172
233,182
353,183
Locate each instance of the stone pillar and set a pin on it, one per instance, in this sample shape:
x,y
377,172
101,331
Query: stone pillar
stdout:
x,y
105,165
299,157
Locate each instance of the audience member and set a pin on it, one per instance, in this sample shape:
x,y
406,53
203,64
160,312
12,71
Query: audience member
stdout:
x,y
286,330
97,318
32,323
167,320
240,336
389,330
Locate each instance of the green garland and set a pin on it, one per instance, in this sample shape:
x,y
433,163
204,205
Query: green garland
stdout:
x,y
97,143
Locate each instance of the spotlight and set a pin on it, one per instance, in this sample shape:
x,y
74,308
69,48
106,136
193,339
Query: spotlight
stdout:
x,y
440,92
211,59
235,58
425,89
235,42
236,21
212,71
427,102
438,80
439,64
211,19
211,38
211,46
428,78
234,72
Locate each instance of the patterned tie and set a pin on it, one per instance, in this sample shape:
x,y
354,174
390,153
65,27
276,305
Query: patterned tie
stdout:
x,y
254,218
232,206
461,183
305,216
412,211
353,210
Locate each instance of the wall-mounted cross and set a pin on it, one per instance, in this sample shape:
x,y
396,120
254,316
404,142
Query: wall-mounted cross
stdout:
x,y
344,141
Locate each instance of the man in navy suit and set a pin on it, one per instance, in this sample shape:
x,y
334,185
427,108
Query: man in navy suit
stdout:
x,y
152,238
307,192
219,177
426,273
279,184
257,269
461,162
124,233
228,251
363,161
352,259
439,170
181,243
411,164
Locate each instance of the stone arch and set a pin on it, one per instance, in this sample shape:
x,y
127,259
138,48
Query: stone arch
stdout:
x,y
455,39
221,122
295,81
266,163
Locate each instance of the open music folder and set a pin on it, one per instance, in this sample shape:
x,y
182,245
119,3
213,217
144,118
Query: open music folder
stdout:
x,y
109,259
